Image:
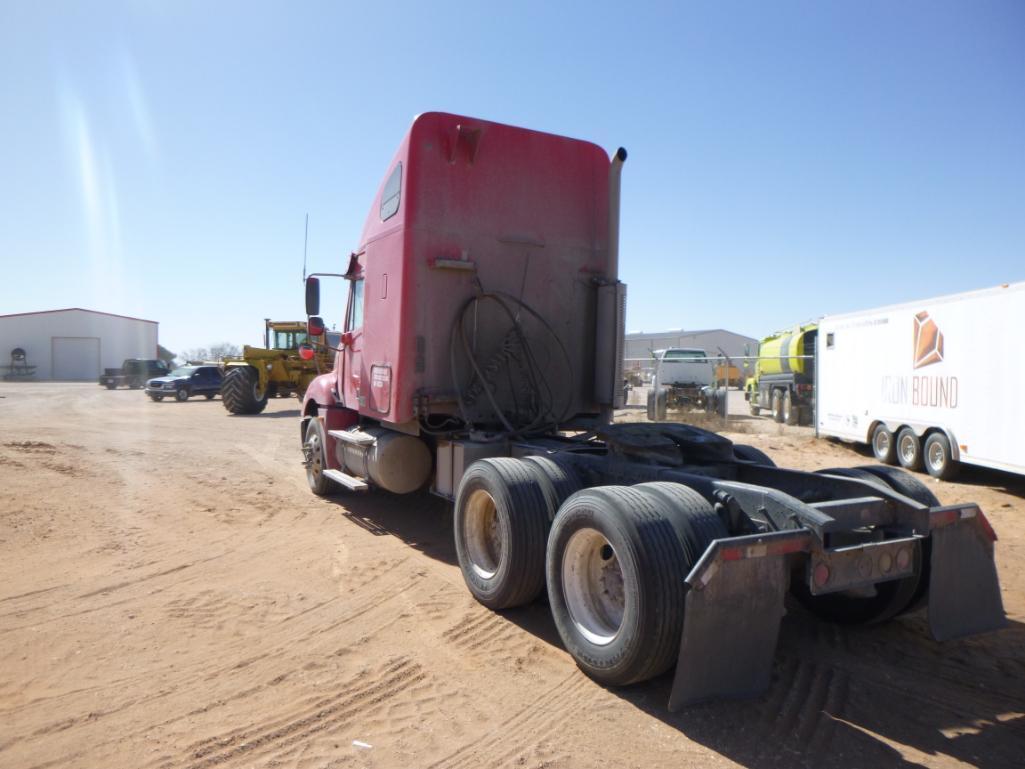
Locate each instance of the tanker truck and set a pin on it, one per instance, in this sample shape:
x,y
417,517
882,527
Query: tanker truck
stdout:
x,y
481,360
784,380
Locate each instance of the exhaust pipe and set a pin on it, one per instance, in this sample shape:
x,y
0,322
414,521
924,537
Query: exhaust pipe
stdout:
x,y
611,317
615,174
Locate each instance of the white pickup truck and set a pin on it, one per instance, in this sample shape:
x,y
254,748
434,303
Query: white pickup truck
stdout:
x,y
683,378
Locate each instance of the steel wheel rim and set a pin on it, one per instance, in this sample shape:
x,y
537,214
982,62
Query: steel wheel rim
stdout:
x,y
316,466
482,534
594,586
907,448
936,458
882,443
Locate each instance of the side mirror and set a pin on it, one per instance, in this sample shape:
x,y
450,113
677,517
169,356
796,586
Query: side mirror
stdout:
x,y
306,352
315,326
312,296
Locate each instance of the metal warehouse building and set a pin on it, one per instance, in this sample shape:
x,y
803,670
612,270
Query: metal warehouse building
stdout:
x,y
74,344
639,346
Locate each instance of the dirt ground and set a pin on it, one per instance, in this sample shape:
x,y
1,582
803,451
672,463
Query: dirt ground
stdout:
x,y
172,595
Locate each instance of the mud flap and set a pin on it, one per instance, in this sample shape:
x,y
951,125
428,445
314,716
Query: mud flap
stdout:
x,y
964,592
731,619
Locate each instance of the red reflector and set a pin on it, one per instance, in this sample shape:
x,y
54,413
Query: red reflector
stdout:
x,y
305,352
944,518
987,527
821,575
731,553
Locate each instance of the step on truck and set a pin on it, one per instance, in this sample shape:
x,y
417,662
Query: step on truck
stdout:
x,y
481,358
931,384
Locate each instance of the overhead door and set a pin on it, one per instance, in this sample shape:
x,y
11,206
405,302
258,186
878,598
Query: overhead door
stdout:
x,y
76,357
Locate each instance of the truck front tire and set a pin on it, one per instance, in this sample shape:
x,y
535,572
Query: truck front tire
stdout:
x,y
315,456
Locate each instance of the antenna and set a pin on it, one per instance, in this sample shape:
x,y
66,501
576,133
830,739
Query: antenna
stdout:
x,y
306,237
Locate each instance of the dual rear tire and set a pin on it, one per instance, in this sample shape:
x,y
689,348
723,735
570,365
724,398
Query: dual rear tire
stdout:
x,y
613,558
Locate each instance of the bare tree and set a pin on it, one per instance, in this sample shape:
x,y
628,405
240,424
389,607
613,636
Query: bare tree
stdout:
x,y
224,350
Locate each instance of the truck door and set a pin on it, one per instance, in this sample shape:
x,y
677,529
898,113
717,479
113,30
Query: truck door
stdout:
x,y
354,389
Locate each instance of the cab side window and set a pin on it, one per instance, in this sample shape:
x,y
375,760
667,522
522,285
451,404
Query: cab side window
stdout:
x,y
392,194
354,319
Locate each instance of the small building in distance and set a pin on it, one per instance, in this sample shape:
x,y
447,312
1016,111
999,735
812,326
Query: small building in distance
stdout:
x,y
72,344
639,346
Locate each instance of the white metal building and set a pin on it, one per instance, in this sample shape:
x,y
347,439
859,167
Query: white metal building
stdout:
x,y
639,346
75,344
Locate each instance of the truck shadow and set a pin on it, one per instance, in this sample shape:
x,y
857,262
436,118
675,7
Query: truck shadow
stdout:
x,y
840,696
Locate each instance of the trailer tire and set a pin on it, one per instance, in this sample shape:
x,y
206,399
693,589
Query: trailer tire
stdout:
x,y
558,482
315,455
751,454
884,446
938,457
615,569
909,449
501,527
777,405
111,386
240,391
791,414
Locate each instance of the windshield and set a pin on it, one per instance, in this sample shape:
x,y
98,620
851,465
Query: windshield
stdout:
x,y
685,354
183,371
289,340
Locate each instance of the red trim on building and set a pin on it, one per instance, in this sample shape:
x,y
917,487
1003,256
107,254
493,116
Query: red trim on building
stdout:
x,y
80,309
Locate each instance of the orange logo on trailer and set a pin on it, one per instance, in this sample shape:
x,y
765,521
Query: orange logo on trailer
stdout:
x,y
928,341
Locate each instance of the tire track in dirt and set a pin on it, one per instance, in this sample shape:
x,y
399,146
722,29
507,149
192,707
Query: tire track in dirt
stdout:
x,y
324,716
529,727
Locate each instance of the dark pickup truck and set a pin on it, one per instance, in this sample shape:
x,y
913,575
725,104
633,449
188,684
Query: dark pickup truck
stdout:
x,y
133,373
184,382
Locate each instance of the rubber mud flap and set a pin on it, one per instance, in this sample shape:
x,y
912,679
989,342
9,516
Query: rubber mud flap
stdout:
x,y
730,629
964,592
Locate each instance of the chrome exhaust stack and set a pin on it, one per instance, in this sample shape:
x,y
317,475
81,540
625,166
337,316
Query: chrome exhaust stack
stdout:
x,y
610,325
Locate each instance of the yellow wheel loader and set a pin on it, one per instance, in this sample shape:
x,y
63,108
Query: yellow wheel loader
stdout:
x,y
275,370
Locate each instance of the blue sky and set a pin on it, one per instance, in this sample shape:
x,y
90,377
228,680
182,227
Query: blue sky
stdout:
x,y
787,159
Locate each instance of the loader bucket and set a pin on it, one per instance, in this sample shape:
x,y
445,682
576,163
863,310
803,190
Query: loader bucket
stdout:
x,y
731,619
964,593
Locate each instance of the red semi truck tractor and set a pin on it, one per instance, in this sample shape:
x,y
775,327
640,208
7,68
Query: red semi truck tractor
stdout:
x,y
482,359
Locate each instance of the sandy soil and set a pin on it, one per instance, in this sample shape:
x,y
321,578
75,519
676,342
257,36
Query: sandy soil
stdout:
x,y
171,595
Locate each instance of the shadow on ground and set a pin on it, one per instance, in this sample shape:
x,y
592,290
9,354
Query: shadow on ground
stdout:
x,y
840,696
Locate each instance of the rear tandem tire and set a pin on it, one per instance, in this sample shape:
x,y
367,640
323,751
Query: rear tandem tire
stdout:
x,y
240,391
777,405
891,598
615,565
747,453
791,413
501,525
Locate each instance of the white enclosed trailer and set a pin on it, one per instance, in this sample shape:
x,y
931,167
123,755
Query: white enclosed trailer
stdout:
x,y
929,384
